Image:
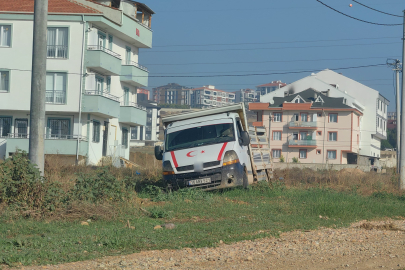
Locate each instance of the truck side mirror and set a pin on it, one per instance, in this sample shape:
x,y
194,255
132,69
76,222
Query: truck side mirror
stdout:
x,y
158,152
245,138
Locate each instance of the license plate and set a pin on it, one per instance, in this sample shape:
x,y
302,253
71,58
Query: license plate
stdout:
x,y
199,181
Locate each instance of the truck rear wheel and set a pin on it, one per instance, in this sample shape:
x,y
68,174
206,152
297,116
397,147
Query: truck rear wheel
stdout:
x,y
245,179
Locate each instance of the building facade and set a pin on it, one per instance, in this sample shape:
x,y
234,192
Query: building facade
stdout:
x,y
172,93
269,87
208,96
246,96
311,127
369,102
149,133
92,76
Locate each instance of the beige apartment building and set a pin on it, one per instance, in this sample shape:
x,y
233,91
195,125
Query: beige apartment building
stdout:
x,y
310,127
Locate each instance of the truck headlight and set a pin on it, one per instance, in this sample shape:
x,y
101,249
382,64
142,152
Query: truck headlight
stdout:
x,y
230,157
167,168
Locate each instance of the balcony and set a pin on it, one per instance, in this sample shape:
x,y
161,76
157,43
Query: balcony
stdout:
x,y
302,125
302,143
134,74
101,103
62,145
132,114
103,60
57,51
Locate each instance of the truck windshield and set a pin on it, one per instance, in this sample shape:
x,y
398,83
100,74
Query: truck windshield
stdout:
x,y
198,136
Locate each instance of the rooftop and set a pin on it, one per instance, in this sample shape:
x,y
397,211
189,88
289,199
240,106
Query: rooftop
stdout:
x,y
273,83
54,6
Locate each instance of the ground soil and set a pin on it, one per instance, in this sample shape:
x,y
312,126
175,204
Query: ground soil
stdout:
x,y
364,245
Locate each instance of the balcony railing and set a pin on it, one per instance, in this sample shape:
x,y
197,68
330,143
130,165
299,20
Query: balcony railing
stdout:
x,y
101,48
132,104
57,51
132,63
101,93
55,97
301,124
302,142
48,136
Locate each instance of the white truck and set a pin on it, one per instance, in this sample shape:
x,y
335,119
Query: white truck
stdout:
x,y
208,149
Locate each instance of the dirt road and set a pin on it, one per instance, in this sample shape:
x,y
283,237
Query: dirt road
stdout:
x,y
374,245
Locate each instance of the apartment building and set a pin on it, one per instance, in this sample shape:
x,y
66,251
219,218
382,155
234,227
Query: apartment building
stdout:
x,y
368,101
92,76
269,87
142,135
246,96
208,96
311,128
172,93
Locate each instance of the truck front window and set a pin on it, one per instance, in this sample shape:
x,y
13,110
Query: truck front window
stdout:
x,y
199,136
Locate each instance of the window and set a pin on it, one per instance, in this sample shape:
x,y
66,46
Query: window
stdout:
x,y
59,128
384,125
276,135
108,84
378,122
110,42
128,55
303,153
318,151
141,133
57,42
276,153
56,87
304,117
319,114
134,133
21,127
4,80
304,135
332,136
96,131
125,137
319,133
295,117
5,126
295,136
5,35
278,117
331,154
333,118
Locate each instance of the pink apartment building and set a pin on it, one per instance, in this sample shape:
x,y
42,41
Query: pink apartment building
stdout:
x,y
311,127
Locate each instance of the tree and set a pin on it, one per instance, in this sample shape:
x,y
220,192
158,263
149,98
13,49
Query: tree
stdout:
x,y
391,141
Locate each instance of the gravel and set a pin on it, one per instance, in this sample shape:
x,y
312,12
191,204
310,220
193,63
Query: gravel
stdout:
x,y
364,245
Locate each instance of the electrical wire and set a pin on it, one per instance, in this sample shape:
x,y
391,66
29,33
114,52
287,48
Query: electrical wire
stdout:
x,y
273,42
224,75
376,9
384,24
274,48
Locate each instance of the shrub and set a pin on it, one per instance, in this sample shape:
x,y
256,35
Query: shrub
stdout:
x,y
295,160
21,184
97,187
282,158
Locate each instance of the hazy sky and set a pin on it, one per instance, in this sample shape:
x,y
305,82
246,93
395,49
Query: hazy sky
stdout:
x,y
221,37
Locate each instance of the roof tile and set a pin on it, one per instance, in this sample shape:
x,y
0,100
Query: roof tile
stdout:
x,y
54,6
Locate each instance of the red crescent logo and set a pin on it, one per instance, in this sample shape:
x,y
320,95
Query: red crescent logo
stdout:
x,y
189,154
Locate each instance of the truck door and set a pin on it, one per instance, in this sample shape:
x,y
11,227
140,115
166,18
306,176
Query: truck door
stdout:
x,y
242,151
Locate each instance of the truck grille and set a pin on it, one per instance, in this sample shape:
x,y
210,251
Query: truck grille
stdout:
x,y
205,165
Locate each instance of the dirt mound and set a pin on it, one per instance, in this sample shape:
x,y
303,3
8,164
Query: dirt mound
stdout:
x,y
353,171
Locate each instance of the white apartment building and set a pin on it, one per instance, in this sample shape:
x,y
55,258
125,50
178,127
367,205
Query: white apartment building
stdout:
x,y
368,101
141,135
92,76
208,96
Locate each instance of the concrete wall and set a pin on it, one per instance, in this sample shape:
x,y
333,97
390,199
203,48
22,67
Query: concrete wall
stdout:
x,y
312,166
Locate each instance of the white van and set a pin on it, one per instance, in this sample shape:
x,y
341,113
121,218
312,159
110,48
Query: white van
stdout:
x,y
208,149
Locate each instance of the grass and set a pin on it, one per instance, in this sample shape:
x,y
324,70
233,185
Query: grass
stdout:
x,y
201,219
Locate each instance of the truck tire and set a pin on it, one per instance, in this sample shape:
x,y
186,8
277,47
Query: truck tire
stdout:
x,y
245,179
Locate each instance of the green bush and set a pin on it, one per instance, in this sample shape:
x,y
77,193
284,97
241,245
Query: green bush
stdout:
x,y
282,158
22,185
295,160
99,186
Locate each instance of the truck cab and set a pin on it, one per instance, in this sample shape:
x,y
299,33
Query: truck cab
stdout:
x,y
208,152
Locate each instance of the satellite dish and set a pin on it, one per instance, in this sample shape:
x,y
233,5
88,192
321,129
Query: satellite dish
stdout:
x,y
271,102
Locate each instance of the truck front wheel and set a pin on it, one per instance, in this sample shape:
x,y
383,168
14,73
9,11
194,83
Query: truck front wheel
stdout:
x,y
245,179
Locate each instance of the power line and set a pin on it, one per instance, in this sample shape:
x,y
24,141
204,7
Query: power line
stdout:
x,y
273,42
224,75
355,17
376,9
271,61
274,48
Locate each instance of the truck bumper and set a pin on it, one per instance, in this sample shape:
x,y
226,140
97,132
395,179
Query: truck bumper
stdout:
x,y
222,177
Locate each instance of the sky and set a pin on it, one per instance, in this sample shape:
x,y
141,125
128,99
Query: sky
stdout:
x,y
276,40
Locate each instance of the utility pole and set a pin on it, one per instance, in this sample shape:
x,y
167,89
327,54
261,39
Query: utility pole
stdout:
x,y
402,169
38,83
397,68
